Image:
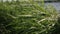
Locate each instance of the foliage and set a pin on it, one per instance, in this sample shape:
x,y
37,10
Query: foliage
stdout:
x,y
26,18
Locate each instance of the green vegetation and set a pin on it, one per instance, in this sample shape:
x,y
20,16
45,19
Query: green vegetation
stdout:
x,y
27,18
